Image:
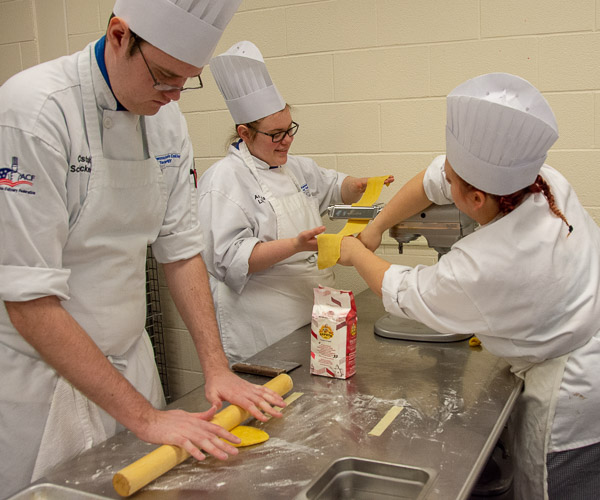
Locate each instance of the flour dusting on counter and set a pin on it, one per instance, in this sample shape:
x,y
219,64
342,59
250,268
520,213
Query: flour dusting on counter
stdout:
x,y
321,422
212,473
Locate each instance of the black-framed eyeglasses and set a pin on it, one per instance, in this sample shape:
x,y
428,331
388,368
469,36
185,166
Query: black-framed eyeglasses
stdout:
x,y
279,136
165,87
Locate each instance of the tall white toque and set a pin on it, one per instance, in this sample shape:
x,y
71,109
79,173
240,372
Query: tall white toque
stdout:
x,y
499,129
188,30
245,83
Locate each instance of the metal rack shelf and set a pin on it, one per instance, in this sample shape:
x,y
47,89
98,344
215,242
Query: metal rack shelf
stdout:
x,y
154,324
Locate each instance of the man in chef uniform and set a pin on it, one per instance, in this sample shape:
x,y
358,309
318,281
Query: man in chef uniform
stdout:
x,y
101,166
527,282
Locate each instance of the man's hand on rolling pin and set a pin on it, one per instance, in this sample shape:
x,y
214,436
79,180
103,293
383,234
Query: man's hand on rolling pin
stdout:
x,y
226,386
190,431
354,187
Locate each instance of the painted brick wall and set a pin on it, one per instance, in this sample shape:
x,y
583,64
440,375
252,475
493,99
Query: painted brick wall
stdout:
x,y
367,80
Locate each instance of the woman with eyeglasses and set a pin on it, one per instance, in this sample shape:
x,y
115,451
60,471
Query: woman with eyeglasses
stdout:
x,y
260,212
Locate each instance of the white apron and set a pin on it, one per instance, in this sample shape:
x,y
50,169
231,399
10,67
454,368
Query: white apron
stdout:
x,y
106,252
277,301
531,423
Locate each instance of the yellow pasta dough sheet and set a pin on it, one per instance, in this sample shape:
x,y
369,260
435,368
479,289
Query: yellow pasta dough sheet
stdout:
x,y
252,435
329,244
248,435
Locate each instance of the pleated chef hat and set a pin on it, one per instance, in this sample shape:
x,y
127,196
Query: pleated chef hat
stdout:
x,y
245,83
188,30
499,129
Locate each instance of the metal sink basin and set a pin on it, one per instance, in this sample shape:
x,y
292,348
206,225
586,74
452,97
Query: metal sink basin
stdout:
x,y
362,479
48,491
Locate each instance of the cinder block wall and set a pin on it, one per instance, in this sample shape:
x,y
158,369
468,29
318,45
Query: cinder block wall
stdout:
x,y
367,81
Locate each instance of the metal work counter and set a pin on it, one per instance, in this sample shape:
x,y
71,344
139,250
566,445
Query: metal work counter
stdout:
x,y
456,401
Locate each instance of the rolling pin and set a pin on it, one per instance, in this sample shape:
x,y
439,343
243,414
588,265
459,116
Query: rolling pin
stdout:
x,y
141,472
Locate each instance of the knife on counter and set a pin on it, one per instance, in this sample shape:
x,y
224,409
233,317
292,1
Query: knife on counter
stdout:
x,y
268,367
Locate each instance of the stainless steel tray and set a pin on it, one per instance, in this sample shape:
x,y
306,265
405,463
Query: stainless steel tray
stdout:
x,y
362,479
47,491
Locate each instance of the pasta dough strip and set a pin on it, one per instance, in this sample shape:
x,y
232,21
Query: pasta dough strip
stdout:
x,y
329,244
384,423
290,399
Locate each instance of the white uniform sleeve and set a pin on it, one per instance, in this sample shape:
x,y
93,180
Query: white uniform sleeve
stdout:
x,y
180,236
324,184
228,231
34,223
435,184
433,296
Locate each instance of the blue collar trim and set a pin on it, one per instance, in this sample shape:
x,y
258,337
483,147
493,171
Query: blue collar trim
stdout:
x,y
99,51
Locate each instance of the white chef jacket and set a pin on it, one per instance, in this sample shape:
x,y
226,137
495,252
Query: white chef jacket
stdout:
x,y
43,129
233,213
243,202
45,165
526,290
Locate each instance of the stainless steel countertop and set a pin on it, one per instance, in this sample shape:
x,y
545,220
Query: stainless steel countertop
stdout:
x,y
456,401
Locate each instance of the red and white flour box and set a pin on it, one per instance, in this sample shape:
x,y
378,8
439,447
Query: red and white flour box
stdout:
x,y
333,333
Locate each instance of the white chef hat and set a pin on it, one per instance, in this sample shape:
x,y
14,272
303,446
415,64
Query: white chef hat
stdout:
x,y
499,129
245,83
188,30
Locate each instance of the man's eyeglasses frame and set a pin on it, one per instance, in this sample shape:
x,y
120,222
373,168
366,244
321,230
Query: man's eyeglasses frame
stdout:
x,y
165,87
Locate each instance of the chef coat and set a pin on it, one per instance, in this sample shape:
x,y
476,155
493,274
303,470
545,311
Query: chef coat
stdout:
x,y
46,164
236,213
527,291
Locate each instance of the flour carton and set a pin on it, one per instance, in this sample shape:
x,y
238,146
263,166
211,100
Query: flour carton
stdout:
x,y
333,333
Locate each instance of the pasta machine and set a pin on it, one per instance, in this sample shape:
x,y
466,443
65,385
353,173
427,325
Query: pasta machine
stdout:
x,y
441,226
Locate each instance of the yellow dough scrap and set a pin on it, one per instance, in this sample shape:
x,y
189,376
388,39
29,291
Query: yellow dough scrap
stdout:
x,y
248,435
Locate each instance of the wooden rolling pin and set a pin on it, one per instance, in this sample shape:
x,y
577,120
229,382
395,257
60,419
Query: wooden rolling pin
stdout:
x,y
138,474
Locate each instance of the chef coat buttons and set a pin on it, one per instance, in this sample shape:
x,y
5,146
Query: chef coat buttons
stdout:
x,y
107,122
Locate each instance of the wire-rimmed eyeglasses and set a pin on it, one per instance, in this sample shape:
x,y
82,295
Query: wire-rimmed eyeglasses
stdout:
x,y
165,87
279,136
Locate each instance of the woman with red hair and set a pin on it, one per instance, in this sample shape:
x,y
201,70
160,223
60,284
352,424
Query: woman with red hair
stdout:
x,y
526,282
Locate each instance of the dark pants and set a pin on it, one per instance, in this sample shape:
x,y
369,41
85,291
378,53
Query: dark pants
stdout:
x,y
574,474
